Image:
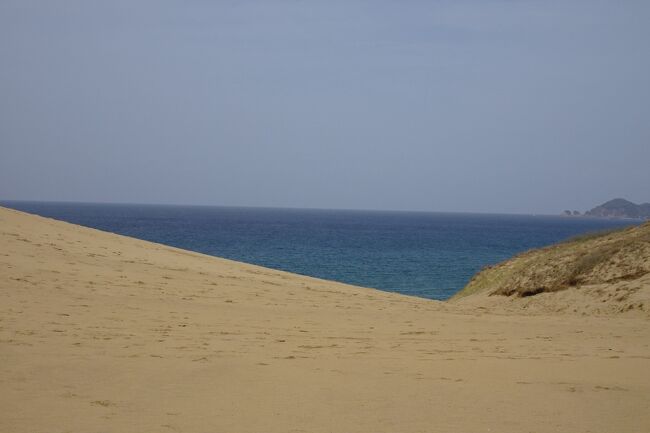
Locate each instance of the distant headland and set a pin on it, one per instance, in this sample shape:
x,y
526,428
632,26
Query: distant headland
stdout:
x,y
617,208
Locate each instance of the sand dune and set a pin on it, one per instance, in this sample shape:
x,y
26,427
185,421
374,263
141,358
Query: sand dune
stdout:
x,y
103,333
596,274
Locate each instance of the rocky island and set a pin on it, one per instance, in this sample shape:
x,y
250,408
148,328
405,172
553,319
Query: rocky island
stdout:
x,y
621,208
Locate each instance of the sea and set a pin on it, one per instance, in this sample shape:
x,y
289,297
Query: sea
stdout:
x,y
425,254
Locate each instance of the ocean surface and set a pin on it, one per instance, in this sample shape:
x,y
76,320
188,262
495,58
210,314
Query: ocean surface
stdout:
x,y
432,255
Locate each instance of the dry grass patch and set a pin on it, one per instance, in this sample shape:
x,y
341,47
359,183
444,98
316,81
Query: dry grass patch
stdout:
x,y
593,258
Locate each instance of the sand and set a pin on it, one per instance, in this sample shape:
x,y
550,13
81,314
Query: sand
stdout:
x,y
594,274
104,333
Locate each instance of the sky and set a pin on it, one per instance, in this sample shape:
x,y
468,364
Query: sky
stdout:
x,y
467,105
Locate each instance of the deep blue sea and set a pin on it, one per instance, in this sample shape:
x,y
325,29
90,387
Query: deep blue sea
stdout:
x,y
431,255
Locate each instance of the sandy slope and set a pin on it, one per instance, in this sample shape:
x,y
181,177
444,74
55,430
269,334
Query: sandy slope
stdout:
x,y
594,274
102,333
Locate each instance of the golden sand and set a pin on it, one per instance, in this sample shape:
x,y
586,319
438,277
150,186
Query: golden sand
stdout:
x,y
104,333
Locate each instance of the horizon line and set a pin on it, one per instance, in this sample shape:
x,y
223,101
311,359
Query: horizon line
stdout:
x,y
559,214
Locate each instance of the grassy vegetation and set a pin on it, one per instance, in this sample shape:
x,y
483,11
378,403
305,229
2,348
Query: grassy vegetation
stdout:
x,y
586,263
592,258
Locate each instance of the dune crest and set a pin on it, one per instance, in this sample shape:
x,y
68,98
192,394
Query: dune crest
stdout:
x,y
601,273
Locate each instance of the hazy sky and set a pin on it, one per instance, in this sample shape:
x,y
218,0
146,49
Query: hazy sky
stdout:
x,y
486,105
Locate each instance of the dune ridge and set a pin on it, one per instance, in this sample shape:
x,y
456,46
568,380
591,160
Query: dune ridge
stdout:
x,y
606,273
100,332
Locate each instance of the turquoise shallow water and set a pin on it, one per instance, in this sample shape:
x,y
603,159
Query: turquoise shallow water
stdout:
x,y
431,255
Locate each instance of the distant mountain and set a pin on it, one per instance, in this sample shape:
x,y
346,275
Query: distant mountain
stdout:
x,y
621,208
